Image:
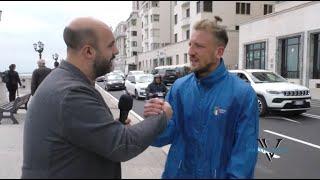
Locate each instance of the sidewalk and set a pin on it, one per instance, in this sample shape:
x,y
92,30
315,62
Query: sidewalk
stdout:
x,y
148,165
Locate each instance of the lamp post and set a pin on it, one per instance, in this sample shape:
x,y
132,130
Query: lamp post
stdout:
x,y
55,56
0,14
38,48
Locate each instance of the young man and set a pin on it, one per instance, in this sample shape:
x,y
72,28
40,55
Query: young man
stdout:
x,y
156,88
214,128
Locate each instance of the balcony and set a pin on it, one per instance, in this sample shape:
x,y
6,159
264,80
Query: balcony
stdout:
x,y
185,4
185,22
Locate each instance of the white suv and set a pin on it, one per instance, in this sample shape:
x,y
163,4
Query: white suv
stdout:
x,y
276,93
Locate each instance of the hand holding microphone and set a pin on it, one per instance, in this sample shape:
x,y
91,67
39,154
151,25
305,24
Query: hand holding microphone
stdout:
x,y
125,105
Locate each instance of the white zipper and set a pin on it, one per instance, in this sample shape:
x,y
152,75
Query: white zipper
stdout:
x,y
180,164
215,173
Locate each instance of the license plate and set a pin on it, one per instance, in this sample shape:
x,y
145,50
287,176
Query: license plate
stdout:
x,y
160,94
298,102
171,76
117,86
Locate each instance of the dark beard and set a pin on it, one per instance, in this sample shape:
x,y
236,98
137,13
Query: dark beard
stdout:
x,y
101,66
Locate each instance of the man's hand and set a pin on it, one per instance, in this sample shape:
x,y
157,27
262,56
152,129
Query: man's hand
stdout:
x,y
156,106
153,107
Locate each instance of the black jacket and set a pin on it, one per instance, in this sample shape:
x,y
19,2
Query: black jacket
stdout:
x,y
13,80
155,87
70,132
38,76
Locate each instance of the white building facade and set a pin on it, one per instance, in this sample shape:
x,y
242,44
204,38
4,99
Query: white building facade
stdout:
x,y
120,37
166,27
286,42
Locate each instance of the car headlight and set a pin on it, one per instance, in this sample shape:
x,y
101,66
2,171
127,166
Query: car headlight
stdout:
x,y
274,92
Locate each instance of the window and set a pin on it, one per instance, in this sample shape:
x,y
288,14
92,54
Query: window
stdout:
x,y
169,61
175,18
198,7
289,56
248,9
134,43
177,59
255,55
155,3
155,18
134,53
237,8
188,12
237,28
187,34
155,32
175,37
134,33
155,46
315,70
185,57
134,22
267,8
207,6
243,8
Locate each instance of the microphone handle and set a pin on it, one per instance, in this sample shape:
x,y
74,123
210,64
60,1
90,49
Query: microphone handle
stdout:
x,y
123,116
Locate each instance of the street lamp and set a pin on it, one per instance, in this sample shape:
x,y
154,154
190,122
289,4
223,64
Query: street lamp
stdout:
x,y
55,56
0,14
38,48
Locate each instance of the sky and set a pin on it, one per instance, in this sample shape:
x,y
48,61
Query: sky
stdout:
x,y
26,22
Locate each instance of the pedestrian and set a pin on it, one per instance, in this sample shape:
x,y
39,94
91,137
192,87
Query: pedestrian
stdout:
x,y
38,75
55,64
214,128
69,130
12,82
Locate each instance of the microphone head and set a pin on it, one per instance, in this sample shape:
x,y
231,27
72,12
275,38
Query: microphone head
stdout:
x,y
125,102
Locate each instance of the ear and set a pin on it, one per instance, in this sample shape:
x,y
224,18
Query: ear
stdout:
x,y
88,52
219,51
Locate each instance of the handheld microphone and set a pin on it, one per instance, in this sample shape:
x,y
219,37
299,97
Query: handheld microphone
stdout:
x,y
125,105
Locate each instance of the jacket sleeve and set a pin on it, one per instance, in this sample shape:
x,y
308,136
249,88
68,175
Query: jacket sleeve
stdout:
x,y
18,79
88,124
170,132
245,150
33,82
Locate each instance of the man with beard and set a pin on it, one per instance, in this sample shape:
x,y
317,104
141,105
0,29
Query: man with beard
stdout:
x,y
214,128
69,130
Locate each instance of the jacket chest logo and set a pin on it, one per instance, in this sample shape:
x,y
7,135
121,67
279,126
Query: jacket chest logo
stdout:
x,y
218,110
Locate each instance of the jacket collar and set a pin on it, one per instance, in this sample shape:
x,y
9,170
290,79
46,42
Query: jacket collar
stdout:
x,y
214,77
75,71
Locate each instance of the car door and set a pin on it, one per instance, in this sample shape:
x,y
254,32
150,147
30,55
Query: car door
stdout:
x,y
130,85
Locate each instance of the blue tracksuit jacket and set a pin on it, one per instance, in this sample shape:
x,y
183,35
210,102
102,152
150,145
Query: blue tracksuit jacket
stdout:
x,y
214,128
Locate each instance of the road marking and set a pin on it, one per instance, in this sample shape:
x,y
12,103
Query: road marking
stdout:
x,y
293,139
310,115
265,151
283,118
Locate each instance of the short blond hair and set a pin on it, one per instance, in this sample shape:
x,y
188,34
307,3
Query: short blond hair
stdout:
x,y
212,26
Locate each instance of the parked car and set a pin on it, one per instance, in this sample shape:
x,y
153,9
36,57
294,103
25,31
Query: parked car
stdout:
x,y
135,72
275,93
118,72
136,85
170,74
114,81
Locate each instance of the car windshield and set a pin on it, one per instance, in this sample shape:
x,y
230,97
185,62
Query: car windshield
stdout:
x,y
171,71
266,77
145,79
115,77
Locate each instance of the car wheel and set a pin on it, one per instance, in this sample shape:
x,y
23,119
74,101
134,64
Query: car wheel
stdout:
x,y
106,88
262,105
136,94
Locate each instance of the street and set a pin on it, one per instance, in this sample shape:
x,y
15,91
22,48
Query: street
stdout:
x,y
298,154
